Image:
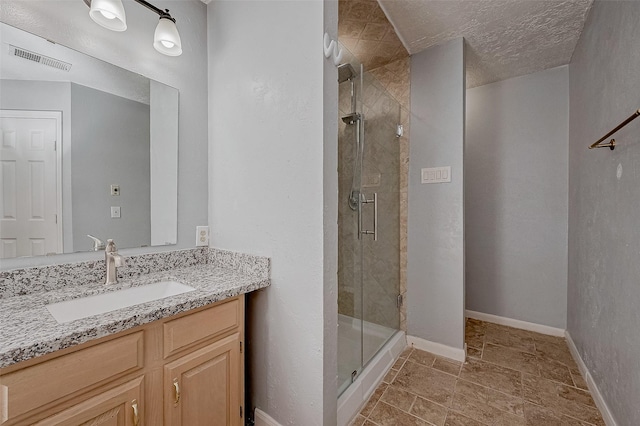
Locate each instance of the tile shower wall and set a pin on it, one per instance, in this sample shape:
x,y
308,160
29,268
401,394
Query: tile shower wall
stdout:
x,y
365,30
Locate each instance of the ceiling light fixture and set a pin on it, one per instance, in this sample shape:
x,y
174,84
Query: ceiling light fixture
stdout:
x,y
110,14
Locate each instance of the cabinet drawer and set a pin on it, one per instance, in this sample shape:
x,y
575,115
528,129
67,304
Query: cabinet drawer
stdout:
x,y
119,406
36,386
183,332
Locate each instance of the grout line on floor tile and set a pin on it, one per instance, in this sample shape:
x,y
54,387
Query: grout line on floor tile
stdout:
x,y
583,421
415,398
560,413
514,369
369,420
502,366
491,389
411,414
374,407
521,400
464,415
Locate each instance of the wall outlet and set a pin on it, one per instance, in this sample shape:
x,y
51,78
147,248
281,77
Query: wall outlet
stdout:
x,y
202,236
115,212
115,190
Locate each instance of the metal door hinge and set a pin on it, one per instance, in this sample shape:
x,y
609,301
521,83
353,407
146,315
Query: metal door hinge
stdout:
x,y
399,301
240,347
241,411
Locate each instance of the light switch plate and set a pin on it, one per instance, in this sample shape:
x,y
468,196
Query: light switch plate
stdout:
x,y
202,236
436,175
115,190
115,212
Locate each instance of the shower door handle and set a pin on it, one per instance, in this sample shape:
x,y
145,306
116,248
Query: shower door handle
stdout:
x,y
361,199
374,200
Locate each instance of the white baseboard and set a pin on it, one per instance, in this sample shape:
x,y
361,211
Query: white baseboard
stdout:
x,y
438,348
595,392
509,322
263,419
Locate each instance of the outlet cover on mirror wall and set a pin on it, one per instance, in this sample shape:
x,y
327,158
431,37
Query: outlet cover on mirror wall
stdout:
x,y
202,236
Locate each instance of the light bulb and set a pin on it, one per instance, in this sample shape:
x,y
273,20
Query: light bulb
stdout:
x,y
166,39
107,15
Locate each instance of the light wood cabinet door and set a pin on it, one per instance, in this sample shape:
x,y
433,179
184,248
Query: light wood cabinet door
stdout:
x,y
118,406
204,387
49,382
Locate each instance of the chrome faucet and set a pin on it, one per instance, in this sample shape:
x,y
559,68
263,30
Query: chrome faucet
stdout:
x,y
112,260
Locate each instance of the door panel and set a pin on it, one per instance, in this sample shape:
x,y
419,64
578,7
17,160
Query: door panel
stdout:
x,y
29,173
114,407
381,181
350,138
203,387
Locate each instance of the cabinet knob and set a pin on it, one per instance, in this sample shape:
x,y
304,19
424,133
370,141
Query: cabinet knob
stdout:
x,y
134,406
177,391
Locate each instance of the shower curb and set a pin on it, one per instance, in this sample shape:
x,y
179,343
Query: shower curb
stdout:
x,y
358,393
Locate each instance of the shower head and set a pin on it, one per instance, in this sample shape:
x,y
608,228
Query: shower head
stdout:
x,y
345,72
352,118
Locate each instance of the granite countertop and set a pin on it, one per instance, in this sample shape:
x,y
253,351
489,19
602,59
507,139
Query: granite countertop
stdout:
x,y
28,330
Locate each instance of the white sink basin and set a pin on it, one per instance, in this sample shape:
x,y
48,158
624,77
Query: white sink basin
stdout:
x,y
84,307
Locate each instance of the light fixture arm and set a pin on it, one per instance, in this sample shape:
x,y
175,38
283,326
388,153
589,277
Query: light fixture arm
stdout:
x,y
110,14
162,13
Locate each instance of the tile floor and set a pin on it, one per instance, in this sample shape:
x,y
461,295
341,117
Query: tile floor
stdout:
x,y
512,377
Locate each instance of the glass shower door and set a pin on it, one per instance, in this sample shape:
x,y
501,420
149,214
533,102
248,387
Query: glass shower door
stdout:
x,y
349,244
368,220
381,213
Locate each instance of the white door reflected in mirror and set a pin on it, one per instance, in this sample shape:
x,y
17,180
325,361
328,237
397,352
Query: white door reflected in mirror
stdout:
x,y
30,197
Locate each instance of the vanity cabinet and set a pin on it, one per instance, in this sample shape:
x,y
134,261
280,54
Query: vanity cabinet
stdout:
x,y
200,388
183,370
115,407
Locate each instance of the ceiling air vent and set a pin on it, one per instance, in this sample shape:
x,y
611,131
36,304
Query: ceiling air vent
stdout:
x,y
41,59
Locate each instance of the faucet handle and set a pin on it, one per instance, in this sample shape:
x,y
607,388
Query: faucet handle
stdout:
x,y
119,261
97,243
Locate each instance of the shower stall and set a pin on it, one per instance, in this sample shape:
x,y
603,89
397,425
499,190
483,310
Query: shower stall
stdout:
x,y
368,220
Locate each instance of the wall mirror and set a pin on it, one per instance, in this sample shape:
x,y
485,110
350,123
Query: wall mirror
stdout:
x,y
86,148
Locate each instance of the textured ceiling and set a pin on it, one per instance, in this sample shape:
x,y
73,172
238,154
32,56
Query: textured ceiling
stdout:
x,y
504,38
